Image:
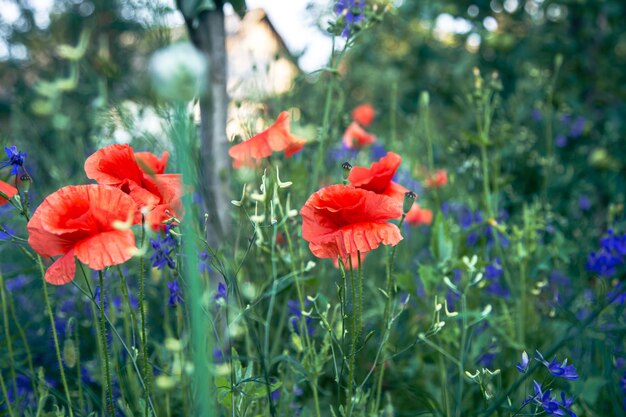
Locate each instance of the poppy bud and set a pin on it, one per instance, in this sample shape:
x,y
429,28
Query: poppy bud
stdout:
x,y
346,171
409,199
26,180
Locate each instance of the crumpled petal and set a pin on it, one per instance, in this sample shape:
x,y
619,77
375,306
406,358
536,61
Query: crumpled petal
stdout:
x,y
106,249
150,164
8,190
62,271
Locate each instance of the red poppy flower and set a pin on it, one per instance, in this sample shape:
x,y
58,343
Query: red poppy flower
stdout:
x,y
364,114
418,215
438,179
377,177
277,138
342,220
8,190
116,165
79,221
356,137
150,163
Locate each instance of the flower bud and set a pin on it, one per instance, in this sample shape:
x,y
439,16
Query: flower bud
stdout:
x,y
409,199
346,171
26,181
178,72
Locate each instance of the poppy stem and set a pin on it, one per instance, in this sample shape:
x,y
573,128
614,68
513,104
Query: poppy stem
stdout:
x,y
353,337
55,337
390,290
142,310
105,346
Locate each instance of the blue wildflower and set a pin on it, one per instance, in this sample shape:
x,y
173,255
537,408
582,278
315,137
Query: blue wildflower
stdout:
x,y
296,316
163,251
276,395
560,370
403,177
204,262
352,12
221,292
176,293
560,140
16,159
584,203
523,365
549,404
536,115
377,151
610,256
577,127
342,153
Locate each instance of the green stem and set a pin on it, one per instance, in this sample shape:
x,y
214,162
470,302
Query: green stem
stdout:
x,y
387,317
55,337
303,331
7,334
105,346
142,311
353,341
6,396
443,378
462,351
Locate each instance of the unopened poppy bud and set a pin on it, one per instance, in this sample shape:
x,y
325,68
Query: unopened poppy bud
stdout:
x,y
26,180
409,199
346,171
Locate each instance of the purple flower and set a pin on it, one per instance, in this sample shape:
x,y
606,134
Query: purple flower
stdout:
x,y
523,365
296,316
560,140
584,203
221,292
577,127
176,293
378,151
352,12
204,262
536,115
610,256
561,370
163,250
403,176
16,159
549,404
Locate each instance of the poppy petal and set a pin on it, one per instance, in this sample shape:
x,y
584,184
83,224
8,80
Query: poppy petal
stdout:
x,y
356,137
62,270
106,249
45,243
150,164
360,237
364,114
378,176
112,165
8,190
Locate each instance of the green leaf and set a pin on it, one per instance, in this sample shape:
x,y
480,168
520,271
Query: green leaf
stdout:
x,y
441,244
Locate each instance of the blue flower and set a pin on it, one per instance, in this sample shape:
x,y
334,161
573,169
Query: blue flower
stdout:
x,y
536,115
342,153
577,127
352,12
204,262
176,293
610,256
560,141
16,159
403,177
296,316
584,203
560,370
523,365
221,292
549,404
163,251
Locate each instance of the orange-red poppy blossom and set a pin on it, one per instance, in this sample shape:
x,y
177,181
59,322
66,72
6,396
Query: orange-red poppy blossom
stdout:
x,y
364,114
341,220
117,165
377,177
417,216
8,190
150,163
276,138
437,180
80,221
356,137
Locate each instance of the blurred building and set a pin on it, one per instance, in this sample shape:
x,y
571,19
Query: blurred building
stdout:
x,y
259,66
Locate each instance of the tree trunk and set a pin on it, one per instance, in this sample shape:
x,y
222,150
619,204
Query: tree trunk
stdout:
x,y
209,35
